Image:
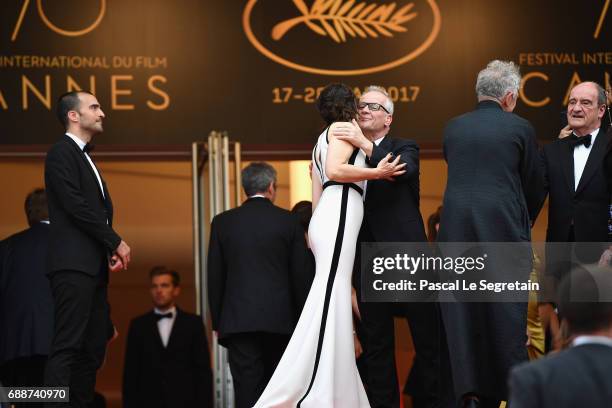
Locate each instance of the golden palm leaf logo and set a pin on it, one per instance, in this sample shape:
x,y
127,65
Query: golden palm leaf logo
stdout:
x,y
339,19
349,23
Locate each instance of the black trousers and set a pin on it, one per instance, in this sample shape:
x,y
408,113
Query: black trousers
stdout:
x,y
253,357
377,365
82,317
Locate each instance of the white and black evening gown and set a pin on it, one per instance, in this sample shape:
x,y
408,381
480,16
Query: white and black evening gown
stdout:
x,y
318,368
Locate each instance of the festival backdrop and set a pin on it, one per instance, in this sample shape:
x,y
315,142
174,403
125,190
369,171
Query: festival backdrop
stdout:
x,y
168,72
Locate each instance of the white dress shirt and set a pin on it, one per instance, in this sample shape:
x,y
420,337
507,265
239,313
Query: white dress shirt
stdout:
x,y
82,146
603,340
581,155
165,325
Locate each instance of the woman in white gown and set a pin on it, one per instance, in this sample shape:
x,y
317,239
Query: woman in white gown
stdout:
x,y
318,368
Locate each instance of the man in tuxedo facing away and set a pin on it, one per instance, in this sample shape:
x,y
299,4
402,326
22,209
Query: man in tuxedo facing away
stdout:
x,y
580,375
392,202
577,182
83,248
258,281
26,304
167,362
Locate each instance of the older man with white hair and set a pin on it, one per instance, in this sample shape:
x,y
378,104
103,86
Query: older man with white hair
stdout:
x,y
493,194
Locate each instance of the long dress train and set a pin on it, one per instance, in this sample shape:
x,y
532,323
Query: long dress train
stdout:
x,y
318,368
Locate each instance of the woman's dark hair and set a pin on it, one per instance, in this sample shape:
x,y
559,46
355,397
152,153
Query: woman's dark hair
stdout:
x,y
337,103
303,210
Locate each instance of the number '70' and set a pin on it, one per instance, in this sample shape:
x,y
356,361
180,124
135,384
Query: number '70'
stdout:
x,y
50,25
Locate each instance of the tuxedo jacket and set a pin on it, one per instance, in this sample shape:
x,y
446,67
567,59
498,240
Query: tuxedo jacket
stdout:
x,y
391,208
26,304
176,376
577,377
81,235
258,274
586,208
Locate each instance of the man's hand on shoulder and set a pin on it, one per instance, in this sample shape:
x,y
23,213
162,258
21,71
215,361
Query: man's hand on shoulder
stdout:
x,y
350,132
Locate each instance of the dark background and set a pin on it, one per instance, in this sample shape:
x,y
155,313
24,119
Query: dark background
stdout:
x,y
217,80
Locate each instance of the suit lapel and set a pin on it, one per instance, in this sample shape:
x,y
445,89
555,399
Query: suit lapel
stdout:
x,y
87,165
594,161
370,185
567,163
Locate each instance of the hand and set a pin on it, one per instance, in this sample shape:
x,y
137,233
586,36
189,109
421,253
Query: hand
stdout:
x,y
354,303
123,251
358,348
565,132
115,334
350,132
387,169
606,258
115,264
528,343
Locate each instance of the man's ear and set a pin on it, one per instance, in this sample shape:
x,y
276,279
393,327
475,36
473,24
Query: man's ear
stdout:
x,y
388,120
602,111
73,116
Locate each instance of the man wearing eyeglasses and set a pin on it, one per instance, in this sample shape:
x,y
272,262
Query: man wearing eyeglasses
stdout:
x,y
391,214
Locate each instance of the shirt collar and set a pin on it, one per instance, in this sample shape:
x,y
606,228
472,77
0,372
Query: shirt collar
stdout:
x,y
45,222
593,135
257,195
581,340
171,310
78,141
377,142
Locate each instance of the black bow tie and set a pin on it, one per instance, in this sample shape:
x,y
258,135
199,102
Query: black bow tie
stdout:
x,y
89,147
581,140
160,316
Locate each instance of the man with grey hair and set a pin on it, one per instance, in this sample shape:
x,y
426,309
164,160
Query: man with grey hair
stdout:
x,y
391,214
258,281
493,194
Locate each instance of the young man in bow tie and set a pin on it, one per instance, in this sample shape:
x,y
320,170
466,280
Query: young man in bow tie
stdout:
x,y
577,185
83,247
167,364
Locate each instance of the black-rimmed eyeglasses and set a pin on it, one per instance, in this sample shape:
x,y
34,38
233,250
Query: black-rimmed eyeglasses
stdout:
x,y
373,106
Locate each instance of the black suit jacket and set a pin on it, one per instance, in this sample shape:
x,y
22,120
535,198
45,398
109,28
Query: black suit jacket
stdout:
x,y
176,376
26,304
587,208
577,377
495,186
81,218
258,275
391,208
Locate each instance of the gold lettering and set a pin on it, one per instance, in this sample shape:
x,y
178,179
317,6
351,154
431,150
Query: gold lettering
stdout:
x,y
164,95
71,84
115,92
26,84
3,102
524,98
575,81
